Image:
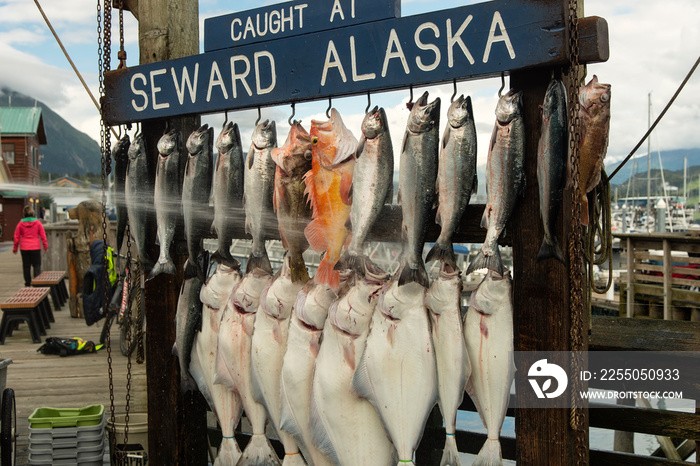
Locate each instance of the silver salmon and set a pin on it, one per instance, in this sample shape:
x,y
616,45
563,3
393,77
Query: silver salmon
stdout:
x,y
196,189
456,179
399,353
443,301
120,154
259,182
419,166
167,197
228,191
139,200
552,151
488,335
505,178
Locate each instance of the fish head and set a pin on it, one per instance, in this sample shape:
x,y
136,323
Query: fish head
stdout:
x,y
460,112
394,300
424,116
121,148
265,135
246,295
509,107
595,97
199,139
493,293
332,143
169,142
313,301
374,123
137,147
554,98
229,137
294,157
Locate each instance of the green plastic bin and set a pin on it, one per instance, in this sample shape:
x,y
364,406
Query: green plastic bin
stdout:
x,y
49,418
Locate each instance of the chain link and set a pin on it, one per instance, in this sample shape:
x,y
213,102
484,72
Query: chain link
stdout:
x,y
575,237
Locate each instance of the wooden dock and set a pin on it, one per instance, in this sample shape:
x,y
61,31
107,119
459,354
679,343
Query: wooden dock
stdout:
x,y
52,381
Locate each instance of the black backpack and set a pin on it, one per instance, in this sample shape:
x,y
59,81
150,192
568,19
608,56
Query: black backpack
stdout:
x,y
68,346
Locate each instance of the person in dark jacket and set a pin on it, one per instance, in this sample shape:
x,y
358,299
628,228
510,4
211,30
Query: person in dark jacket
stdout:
x,y
29,237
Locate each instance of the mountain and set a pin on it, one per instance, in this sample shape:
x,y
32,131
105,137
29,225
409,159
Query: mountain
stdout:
x,y
67,150
672,160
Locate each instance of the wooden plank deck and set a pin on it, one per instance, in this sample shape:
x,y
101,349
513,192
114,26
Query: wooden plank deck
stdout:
x,y
52,381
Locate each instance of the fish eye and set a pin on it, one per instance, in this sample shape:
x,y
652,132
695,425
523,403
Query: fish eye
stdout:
x,y
604,97
307,155
314,140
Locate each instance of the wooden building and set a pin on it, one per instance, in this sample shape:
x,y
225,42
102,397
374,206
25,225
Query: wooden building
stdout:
x,y
21,134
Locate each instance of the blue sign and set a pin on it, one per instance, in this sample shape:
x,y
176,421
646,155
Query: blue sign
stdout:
x,y
468,42
292,19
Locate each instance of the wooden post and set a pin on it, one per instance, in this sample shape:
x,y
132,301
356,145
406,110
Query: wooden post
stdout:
x,y
630,278
668,281
540,295
176,425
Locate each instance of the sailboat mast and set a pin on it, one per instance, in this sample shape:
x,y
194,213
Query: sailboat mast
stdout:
x,y
649,163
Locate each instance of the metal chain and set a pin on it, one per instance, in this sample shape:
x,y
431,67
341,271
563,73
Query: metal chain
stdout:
x,y
140,351
575,237
122,53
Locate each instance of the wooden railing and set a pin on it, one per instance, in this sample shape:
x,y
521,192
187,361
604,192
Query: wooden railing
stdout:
x,y
662,269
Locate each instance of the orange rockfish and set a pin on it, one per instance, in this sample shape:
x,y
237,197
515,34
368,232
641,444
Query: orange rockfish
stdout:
x,y
594,115
328,186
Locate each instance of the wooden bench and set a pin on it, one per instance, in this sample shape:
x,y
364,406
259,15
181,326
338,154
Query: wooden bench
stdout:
x,y
29,305
56,281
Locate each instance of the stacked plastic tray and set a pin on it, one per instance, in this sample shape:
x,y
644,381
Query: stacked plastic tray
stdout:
x,y
67,436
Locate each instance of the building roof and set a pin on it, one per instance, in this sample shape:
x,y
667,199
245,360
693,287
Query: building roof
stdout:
x,y
22,121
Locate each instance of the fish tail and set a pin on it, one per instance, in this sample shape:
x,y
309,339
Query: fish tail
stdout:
x,y
326,274
450,455
491,262
490,454
258,261
187,384
442,252
259,452
550,249
224,257
297,268
350,261
229,452
163,267
409,275
584,210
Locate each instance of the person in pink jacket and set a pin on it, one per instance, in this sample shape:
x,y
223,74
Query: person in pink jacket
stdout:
x,y
29,237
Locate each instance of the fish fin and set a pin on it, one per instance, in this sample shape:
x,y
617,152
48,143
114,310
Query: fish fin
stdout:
x,y
584,210
297,268
229,452
346,187
443,253
212,229
255,385
490,454
187,384
361,383
190,269
259,452
319,434
403,144
475,185
551,249
482,261
450,454
407,275
316,237
360,147
288,422
224,257
221,372
325,273
163,267
398,196
250,159
261,262
446,136
485,217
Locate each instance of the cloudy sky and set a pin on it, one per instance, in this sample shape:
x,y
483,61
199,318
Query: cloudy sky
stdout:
x,y
653,45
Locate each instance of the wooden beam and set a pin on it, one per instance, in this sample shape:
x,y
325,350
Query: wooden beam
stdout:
x,y
128,5
540,295
176,424
648,421
622,334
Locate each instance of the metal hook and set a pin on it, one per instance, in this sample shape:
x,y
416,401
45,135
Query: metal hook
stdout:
x,y
293,113
225,118
259,116
503,84
119,136
328,110
409,104
369,103
454,94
